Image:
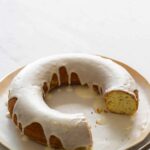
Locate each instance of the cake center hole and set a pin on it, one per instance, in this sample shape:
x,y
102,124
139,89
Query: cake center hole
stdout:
x,y
74,99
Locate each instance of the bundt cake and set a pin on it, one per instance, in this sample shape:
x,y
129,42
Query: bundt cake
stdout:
x,y
47,126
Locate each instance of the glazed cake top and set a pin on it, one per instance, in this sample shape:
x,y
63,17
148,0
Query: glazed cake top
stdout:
x,y
30,106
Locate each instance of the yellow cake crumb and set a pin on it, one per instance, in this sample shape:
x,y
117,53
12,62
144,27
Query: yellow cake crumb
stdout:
x,y
99,110
100,121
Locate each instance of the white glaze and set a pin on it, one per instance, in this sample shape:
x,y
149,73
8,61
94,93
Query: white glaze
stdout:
x,y
30,106
8,115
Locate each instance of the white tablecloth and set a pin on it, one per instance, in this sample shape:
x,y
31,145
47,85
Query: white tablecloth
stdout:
x,y
30,29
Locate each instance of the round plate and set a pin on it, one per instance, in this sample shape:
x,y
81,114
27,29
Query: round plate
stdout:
x,y
110,131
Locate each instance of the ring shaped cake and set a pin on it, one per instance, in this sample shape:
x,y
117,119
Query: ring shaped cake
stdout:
x,y
47,126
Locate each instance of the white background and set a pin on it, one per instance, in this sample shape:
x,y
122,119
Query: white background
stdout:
x,y
30,29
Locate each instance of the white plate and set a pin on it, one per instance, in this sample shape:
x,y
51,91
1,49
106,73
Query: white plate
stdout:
x,y
115,132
